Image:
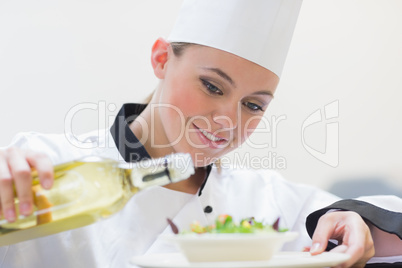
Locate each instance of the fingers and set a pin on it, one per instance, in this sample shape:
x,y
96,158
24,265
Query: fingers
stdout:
x,y
323,232
357,243
44,167
343,249
15,173
21,173
6,190
340,249
352,233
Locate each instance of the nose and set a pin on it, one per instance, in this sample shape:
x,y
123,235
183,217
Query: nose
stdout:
x,y
227,116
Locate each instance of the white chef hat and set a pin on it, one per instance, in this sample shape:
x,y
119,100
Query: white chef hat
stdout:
x,y
257,30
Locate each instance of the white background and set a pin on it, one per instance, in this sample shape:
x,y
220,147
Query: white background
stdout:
x,y
57,54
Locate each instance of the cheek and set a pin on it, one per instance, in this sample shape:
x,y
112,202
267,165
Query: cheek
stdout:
x,y
248,127
186,104
187,99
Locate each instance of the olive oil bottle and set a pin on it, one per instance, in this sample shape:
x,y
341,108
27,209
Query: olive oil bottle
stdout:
x,y
87,190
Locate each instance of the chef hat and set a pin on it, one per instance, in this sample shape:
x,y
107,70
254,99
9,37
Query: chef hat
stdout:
x,y
257,30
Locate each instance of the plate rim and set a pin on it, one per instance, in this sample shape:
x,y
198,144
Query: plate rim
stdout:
x,y
182,263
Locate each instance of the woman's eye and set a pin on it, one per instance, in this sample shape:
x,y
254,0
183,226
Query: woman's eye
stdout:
x,y
211,88
252,106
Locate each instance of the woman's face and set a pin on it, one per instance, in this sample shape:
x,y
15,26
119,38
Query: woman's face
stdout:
x,y
210,101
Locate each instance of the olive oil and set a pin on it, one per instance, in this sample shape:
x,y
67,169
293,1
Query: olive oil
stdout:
x,y
88,190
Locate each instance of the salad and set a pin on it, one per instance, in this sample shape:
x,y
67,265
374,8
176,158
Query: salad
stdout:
x,y
224,224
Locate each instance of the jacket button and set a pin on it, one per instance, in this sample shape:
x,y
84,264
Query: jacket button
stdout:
x,y
208,209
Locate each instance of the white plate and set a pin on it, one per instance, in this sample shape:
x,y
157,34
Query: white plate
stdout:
x,y
282,259
230,247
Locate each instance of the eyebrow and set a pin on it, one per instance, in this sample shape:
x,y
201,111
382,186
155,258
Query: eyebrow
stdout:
x,y
221,74
263,92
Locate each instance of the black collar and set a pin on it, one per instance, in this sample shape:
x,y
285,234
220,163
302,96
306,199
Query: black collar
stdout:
x,y
130,148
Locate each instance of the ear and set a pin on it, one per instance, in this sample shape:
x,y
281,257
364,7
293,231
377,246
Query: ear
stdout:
x,y
159,57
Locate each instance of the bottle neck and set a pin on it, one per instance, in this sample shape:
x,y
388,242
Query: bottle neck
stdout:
x,y
141,179
163,171
158,175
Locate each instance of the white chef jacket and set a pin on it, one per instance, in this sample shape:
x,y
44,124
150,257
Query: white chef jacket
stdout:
x,y
135,230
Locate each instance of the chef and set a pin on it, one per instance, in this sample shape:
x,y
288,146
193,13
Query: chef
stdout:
x,y
222,59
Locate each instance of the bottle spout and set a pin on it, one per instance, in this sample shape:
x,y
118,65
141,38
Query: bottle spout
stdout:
x,y
161,171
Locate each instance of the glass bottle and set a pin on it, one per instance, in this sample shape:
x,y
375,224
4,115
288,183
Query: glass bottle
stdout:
x,y
87,190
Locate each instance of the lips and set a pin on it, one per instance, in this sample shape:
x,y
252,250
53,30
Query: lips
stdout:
x,y
210,139
210,136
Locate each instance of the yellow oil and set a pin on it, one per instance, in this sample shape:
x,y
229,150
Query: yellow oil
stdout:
x,y
82,194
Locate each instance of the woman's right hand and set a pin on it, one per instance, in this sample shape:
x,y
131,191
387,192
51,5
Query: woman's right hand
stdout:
x,y
15,171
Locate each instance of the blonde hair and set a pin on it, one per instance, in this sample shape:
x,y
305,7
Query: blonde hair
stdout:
x,y
148,98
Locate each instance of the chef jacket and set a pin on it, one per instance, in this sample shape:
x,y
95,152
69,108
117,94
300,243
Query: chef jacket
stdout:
x,y
135,230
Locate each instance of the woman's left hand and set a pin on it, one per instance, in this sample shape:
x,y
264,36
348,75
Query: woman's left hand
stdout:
x,y
352,233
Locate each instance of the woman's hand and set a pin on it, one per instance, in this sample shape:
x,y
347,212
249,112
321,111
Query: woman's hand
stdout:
x,y
352,233
15,171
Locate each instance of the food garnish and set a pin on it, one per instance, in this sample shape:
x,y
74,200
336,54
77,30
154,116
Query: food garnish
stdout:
x,y
225,224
